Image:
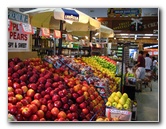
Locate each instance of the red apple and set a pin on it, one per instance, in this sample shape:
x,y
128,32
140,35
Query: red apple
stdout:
x,y
80,92
47,97
10,94
57,104
10,82
49,80
55,98
19,97
37,96
42,80
23,78
33,108
19,117
34,117
40,114
48,115
65,106
80,99
75,115
54,111
13,109
62,114
18,91
48,84
75,95
43,93
82,105
32,86
85,111
56,78
29,99
48,90
49,101
64,99
73,107
16,85
61,94
30,93
24,102
36,102
70,116
12,100
55,85
42,119
43,108
26,112
43,101
50,106
24,89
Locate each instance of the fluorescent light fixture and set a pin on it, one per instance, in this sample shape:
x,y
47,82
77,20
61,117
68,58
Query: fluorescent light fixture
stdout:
x,y
135,37
97,34
124,34
115,38
75,37
146,37
151,46
69,21
86,37
94,37
148,34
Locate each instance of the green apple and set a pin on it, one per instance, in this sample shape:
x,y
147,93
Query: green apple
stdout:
x,y
126,106
122,100
108,104
119,106
119,94
114,104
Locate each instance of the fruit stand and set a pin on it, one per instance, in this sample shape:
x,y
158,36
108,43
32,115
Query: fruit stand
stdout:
x,y
60,88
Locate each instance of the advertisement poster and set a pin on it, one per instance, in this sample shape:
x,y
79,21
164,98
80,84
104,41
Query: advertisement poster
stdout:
x,y
17,40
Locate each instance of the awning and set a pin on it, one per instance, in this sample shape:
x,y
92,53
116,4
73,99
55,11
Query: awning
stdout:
x,y
50,17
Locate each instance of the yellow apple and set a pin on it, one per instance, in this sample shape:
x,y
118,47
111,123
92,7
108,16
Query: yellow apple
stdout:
x,y
119,106
116,99
126,106
119,94
108,104
114,104
122,100
111,99
125,95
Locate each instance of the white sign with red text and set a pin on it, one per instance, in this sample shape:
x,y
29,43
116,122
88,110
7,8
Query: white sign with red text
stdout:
x,y
17,40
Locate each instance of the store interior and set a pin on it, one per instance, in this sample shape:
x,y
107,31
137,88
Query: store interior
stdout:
x,y
81,70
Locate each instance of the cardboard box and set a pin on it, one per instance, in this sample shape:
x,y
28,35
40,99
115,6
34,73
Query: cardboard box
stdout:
x,y
119,115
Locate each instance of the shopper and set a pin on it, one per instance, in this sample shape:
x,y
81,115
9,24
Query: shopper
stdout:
x,y
154,68
148,63
140,71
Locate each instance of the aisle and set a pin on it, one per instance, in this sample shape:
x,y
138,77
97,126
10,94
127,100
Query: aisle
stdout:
x,y
148,104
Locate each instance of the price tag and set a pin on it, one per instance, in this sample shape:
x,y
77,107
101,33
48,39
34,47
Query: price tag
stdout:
x,y
27,28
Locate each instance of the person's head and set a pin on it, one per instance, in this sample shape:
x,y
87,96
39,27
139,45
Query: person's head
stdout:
x,y
153,58
141,52
147,55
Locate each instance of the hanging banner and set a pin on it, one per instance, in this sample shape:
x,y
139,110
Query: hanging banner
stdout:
x,y
9,25
26,28
57,34
17,40
44,32
69,37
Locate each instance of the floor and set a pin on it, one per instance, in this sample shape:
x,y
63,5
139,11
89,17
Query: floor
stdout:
x,y
148,103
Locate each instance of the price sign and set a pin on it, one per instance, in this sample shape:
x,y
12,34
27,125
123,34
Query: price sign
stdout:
x,y
44,32
27,28
57,34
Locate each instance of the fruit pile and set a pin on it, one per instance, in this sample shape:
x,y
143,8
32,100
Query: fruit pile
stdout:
x,y
119,101
39,92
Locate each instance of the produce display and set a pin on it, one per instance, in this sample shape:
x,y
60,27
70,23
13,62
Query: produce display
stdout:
x,y
59,88
119,101
39,92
